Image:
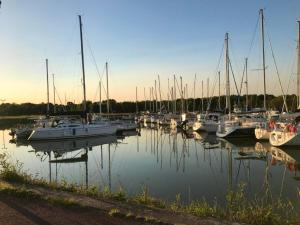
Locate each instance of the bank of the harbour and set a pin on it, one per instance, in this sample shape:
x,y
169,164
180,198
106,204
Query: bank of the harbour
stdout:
x,y
41,205
26,198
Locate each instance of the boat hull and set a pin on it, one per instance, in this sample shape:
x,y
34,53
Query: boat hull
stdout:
x,y
237,132
280,138
207,127
69,133
262,134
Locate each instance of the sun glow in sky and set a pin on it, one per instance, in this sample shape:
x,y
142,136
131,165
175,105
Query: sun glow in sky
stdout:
x,y
140,39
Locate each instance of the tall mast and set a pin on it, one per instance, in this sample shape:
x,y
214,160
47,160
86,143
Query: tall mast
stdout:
x,y
82,64
159,93
228,105
181,90
150,108
202,100
263,54
168,95
136,103
246,71
298,66
155,92
174,94
194,94
207,107
48,108
54,106
172,98
100,98
219,99
153,100
145,109
107,102
187,98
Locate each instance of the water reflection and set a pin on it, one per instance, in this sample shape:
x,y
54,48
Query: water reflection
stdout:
x,y
169,162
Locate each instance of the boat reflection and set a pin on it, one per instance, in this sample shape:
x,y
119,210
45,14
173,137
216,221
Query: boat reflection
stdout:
x,y
62,146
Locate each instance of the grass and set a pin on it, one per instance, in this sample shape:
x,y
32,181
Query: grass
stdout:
x,y
115,213
238,208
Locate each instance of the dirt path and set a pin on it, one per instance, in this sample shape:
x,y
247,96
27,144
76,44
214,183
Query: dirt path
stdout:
x,y
14,211
85,210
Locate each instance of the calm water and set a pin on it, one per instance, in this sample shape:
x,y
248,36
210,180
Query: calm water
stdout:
x,y
167,162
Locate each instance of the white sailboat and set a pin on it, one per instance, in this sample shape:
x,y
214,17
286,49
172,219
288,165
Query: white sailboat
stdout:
x,y
289,135
263,130
67,129
207,122
241,125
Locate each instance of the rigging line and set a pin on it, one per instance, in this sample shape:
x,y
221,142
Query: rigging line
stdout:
x,y
233,77
94,61
277,72
216,72
181,94
64,108
243,78
291,72
92,55
253,37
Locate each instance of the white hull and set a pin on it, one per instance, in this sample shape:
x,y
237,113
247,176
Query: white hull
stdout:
x,y
209,127
262,133
68,132
283,138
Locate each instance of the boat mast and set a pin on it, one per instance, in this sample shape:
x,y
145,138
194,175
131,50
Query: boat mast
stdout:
x,y
150,103
145,109
298,66
174,94
155,90
48,108
187,98
181,90
136,103
82,64
159,93
263,54
194,94
207,89
100,99
172,98
246,82
228,105
107,102
54,106
202,100
219,99
153,100
168,95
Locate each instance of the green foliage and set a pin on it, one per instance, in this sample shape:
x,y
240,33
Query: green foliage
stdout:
x,y
115,213
259,210
145,199
255,101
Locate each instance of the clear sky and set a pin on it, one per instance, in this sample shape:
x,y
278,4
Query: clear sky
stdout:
x,y
140,39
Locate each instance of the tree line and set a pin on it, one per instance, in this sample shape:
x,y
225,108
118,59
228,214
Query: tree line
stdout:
x,y
254,101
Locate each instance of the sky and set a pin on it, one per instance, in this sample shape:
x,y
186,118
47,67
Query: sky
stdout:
x,y
140,40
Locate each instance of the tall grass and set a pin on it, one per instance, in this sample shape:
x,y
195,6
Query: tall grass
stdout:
x,y
259,210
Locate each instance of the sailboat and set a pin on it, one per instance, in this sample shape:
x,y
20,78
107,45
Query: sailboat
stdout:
x,y
289,133
66,129
241,125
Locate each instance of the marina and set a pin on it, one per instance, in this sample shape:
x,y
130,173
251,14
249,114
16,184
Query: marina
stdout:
x,y
168,162
141,113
